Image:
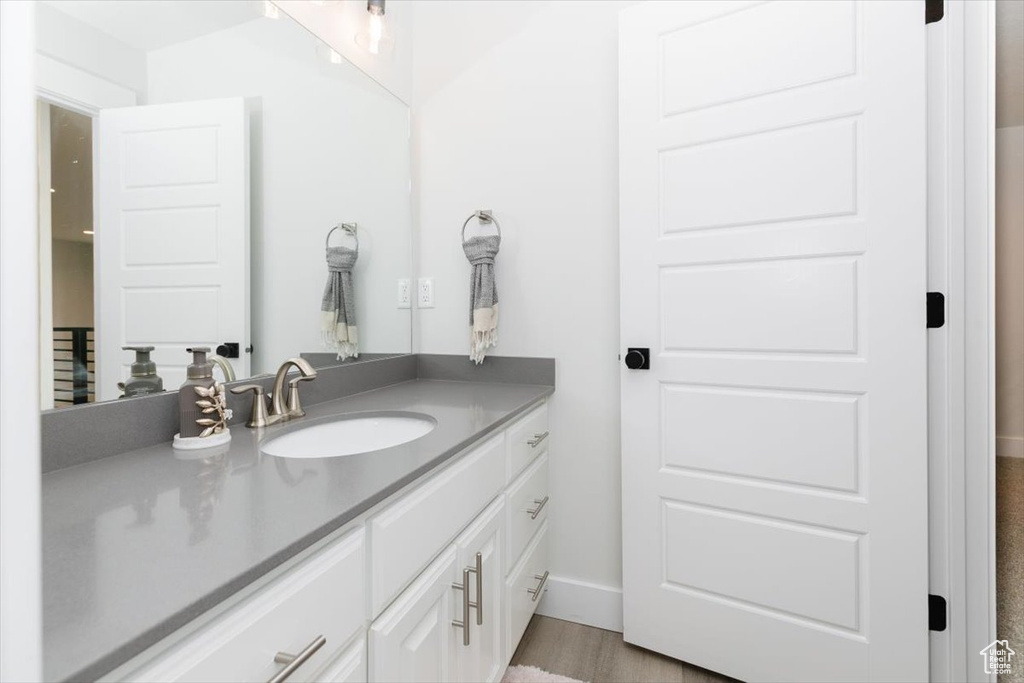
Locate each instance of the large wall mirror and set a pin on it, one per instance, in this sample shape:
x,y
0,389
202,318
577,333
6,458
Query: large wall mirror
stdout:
x,y
195,159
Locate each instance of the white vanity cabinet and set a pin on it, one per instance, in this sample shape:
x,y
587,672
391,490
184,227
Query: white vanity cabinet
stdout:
x,y
437,583
510,537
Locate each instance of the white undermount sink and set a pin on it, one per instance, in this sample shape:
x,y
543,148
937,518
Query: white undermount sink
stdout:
x,y
360,433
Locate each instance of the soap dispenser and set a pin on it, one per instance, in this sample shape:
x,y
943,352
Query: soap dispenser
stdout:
x,y
144,379
201,405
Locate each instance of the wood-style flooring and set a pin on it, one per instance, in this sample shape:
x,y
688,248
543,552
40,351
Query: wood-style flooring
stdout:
x,y
598,656
1010,560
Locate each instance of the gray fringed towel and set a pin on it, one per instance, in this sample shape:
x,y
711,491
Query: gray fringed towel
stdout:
x,y
483,297
338,310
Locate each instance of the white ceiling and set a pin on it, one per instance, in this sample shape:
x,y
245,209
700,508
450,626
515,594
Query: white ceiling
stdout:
x,y
152,24
1009,63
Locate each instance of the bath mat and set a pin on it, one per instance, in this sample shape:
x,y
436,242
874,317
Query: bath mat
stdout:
x,y
531,674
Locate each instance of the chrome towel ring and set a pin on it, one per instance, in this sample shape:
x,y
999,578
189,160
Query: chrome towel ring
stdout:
x,y
350,228
485,216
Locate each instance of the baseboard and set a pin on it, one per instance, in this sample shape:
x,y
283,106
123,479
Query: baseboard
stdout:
x,y
583,602
1010,446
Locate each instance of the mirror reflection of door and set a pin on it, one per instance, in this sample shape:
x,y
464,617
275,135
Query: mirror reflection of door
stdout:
x,y
67,309
173,236
171,197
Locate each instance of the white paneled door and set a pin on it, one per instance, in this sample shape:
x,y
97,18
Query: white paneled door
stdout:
x,y
772,178
172,239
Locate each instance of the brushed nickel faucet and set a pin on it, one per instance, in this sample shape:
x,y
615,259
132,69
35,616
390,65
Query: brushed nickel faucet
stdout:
x,y
281,408
225,366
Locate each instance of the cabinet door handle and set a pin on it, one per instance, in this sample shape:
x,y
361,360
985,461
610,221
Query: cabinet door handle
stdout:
x,y
466,604
539,590
537,438
540,506
295,661
479,571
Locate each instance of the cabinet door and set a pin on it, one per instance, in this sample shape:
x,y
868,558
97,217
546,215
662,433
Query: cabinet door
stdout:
x,y
349,667
480,549
413,639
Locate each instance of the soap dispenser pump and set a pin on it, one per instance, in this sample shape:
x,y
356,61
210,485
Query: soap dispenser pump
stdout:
x,y
202,408
144,379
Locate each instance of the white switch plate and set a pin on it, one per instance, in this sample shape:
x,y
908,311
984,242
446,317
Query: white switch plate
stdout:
x,y
404,293
425,293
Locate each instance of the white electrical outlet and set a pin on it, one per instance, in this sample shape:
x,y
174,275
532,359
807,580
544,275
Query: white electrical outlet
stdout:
x,y
404,293
425,293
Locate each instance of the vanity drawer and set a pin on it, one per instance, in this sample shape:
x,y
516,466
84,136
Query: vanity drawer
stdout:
x,y
527,439
527,507
407,535
528,576
323,596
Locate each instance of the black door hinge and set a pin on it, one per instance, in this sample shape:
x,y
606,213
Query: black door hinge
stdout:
x,y
936,309
934,10
936,613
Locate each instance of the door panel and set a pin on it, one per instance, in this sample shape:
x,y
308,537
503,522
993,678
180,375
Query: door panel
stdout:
x,y
772,233
173,236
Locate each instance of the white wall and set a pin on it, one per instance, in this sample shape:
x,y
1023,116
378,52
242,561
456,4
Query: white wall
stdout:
x,y
328,145
1010,291
528,128
87,53
20,572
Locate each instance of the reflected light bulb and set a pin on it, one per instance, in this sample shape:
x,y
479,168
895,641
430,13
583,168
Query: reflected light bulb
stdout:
x,y
376,33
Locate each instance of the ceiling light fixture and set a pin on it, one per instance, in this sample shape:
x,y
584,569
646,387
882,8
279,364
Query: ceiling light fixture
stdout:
x,y
88,232
376,38
376,10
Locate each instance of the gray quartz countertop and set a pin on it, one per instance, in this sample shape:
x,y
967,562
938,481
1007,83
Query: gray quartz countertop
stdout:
x,y
137,545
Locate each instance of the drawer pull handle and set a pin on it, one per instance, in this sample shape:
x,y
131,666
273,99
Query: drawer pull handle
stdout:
x,y
466,604
537,438
536,592
540,506
295,661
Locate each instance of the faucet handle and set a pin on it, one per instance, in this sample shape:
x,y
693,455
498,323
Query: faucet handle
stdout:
x,y
294,405
258,416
